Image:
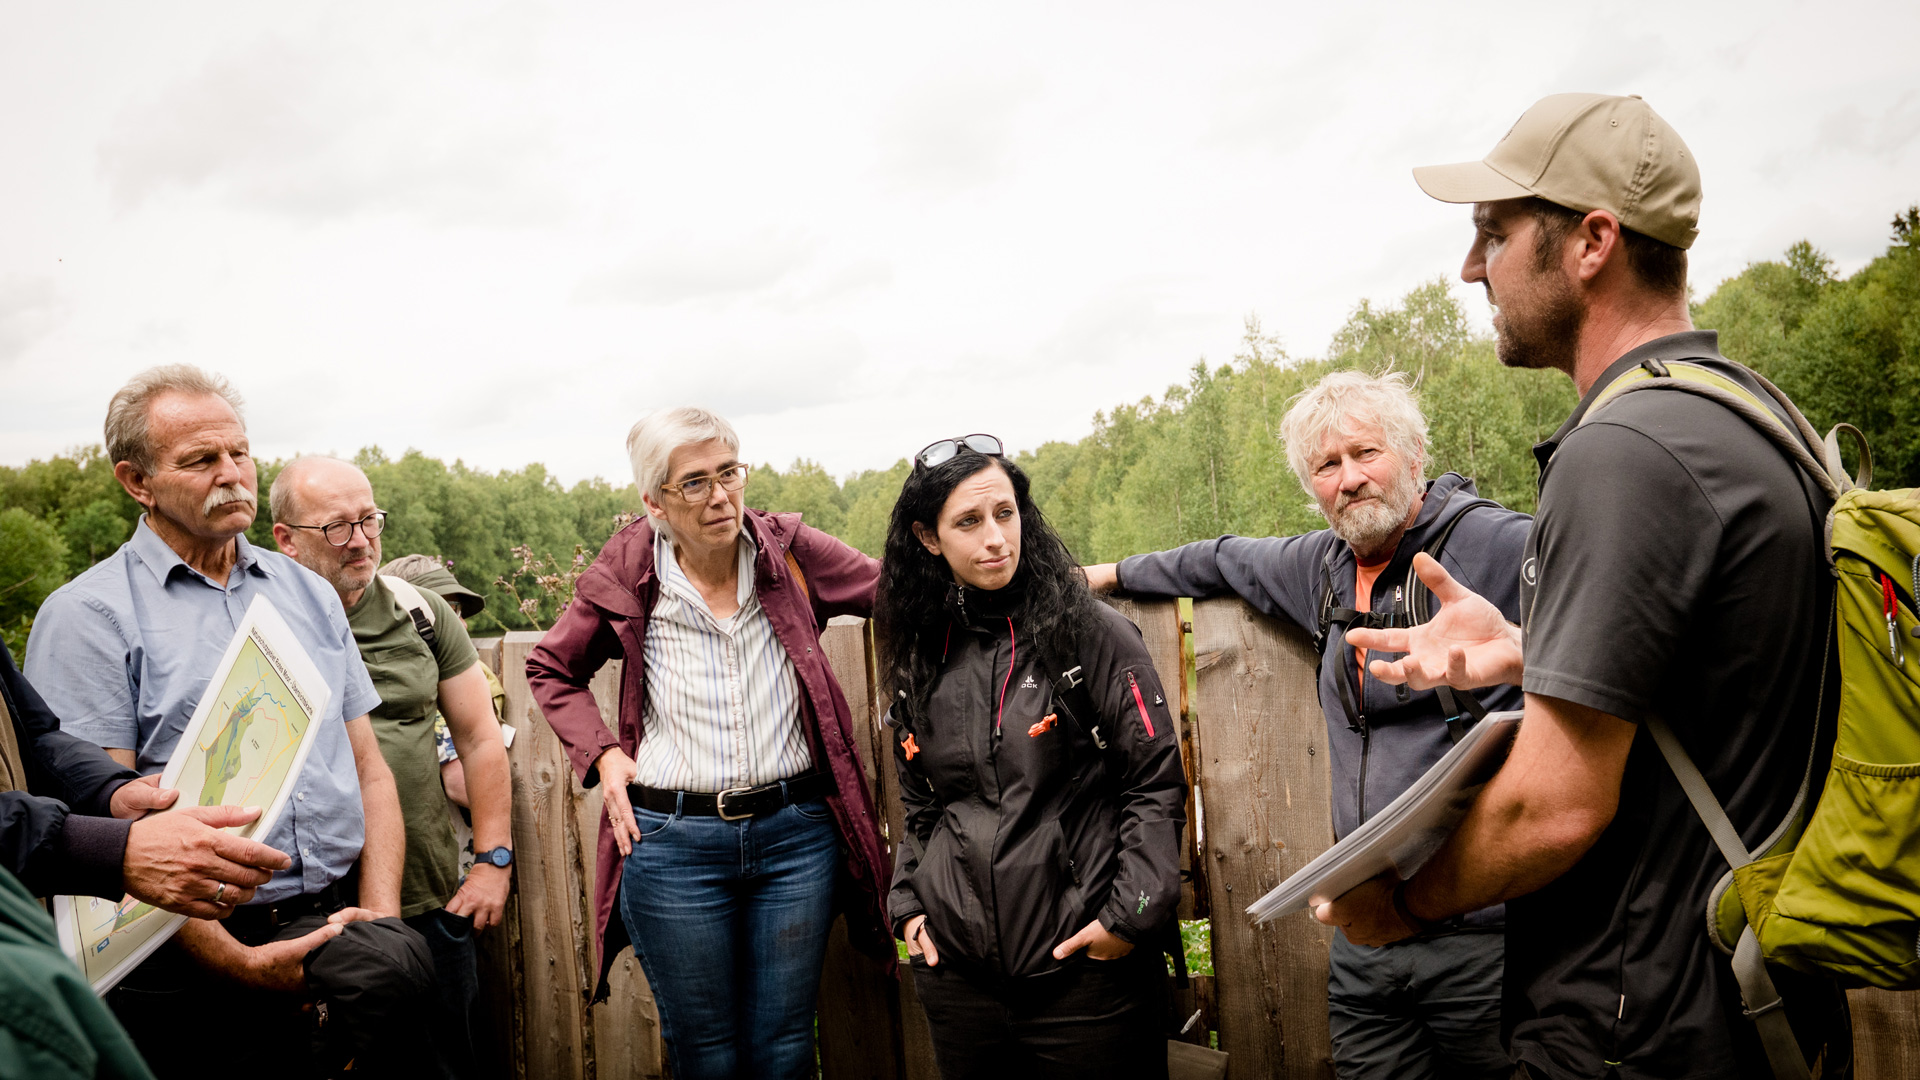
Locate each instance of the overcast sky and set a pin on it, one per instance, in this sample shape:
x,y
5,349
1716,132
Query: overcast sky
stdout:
x,y
501,232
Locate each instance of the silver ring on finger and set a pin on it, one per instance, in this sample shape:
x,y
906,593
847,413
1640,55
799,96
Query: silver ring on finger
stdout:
x,y
219,892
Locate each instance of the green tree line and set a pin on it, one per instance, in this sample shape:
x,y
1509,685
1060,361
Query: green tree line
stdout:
x,y
1200,460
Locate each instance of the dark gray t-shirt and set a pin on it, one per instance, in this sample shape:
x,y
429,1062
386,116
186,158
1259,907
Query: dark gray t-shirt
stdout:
x,y
1676,567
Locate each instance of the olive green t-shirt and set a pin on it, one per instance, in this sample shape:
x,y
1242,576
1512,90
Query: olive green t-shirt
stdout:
x,y
407,675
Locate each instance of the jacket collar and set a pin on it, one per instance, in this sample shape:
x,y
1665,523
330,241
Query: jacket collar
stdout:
x,y
625,569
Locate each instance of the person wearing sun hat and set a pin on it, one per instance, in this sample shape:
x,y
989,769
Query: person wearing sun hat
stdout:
x,y
432,572
1675,568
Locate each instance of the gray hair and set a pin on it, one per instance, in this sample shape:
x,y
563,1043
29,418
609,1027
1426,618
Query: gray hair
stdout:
x,y
1385,401
129,432
280,500
652,441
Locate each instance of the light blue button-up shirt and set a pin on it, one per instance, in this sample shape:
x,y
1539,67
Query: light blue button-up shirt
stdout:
x,y
124,651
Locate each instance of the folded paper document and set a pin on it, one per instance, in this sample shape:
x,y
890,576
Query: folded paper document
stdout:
x,y
1405,834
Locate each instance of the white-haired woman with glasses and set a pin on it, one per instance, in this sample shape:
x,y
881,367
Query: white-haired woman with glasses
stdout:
x,y
735,805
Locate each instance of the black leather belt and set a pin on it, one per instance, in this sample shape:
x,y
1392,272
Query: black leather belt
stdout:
x,y
733,804
255,924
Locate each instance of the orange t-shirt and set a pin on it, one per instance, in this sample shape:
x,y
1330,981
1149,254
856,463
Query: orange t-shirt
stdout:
x,y
1364,575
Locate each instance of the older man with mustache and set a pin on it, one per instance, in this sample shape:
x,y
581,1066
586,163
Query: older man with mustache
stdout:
x,y
1428,1006
122,655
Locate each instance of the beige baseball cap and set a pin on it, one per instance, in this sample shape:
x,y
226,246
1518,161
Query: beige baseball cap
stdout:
x,y
1586,152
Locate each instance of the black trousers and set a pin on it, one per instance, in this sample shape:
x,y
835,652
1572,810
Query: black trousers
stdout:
x,y
165,1004
1096,1018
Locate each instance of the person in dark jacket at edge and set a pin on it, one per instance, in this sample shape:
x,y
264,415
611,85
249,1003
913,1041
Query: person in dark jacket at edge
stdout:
x,y
1429,1006
88,833
737,814
1041,780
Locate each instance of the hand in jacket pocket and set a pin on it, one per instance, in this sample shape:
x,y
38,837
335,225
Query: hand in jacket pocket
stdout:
x,y
920,943
1099,943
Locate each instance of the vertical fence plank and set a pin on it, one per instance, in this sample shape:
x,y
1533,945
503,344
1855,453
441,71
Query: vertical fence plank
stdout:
x,y
556,1038
1886,1034
1265,796
859,1004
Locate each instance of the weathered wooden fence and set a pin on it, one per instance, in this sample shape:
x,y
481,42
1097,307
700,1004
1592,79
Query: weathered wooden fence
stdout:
x,y
1253,741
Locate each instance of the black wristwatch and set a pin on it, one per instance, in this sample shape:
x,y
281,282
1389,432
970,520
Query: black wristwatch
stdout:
x,y
500,856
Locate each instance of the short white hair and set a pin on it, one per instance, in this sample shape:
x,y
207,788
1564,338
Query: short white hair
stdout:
x,y
129,429
654,438
1344,397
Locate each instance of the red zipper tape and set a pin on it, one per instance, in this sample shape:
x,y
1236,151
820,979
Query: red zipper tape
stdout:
x,y
1142,702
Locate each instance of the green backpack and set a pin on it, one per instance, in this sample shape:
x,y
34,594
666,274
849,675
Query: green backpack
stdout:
x,y
1835,889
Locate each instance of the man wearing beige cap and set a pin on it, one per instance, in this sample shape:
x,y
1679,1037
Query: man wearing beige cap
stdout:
x,y
1674,570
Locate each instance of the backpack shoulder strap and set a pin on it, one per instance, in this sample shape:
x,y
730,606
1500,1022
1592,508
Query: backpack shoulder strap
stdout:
x,y
793,567
417,607
1757,992
1797,439
1326,605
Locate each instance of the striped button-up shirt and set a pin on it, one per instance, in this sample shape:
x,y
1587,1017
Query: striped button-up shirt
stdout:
x,y
723,701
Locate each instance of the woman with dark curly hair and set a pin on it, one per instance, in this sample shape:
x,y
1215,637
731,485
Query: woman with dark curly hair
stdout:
x,y
1041,781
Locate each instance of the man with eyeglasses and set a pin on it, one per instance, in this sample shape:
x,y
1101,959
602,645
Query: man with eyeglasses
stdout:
x,y
326,520
122,655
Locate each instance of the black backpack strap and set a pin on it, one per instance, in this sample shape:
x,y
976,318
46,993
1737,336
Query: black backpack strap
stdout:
x,y
425,627
1326,603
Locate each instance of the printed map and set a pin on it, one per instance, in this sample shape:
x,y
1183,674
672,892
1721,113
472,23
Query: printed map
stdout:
x,y
241,748
110,932
242,754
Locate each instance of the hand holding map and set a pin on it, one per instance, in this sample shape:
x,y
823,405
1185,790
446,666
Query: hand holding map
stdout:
x,y
178,861
234,768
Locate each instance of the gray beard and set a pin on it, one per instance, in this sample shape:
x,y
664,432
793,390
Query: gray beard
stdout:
x,y
1366,529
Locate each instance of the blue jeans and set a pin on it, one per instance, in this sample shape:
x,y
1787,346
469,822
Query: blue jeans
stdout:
x,y
729,920
1426,1009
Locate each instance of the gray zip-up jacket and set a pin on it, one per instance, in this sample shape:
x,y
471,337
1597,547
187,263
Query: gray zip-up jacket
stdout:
x,y
1394,734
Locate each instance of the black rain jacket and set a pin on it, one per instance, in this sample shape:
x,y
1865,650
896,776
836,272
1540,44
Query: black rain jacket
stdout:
x,y
1032,808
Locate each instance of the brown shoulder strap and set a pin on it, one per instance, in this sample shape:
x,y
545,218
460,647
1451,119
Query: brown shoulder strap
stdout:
x,y
794,566
13,774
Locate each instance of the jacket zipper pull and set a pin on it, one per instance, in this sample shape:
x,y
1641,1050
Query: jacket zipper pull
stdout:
x,y
1142,703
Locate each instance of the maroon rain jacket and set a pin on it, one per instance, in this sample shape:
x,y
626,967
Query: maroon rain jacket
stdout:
x,y
608,621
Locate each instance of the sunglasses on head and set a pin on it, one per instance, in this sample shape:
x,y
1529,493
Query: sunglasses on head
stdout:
x,y
943,451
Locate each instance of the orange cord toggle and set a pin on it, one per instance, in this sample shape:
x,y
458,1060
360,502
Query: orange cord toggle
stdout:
x,y
1045,725
912,747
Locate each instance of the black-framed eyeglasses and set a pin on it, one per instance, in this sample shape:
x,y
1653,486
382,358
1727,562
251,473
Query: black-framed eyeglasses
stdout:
x,y
943,451
699,488
340,533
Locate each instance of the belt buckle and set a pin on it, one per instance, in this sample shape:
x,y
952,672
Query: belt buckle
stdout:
x,y
720,804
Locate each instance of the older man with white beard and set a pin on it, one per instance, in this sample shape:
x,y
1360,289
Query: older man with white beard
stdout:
x,y
122,655
1428,1006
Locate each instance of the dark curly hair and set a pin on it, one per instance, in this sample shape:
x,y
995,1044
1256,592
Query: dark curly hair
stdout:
x,y
910,611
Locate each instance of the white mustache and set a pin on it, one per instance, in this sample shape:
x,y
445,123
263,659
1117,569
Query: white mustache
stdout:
x,y
228,493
